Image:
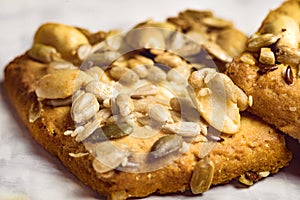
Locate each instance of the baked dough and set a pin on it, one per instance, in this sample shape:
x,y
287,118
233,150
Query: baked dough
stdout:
x,y
275,92
255,150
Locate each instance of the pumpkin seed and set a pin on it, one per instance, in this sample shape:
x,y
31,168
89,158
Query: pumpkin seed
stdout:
x,y
35,111
284,25
59,102
110,131
183,44
166,145
288,55
84,51
216,51
258,41
216,22
149,37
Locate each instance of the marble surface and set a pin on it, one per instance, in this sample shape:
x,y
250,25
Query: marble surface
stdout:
x,y
27,171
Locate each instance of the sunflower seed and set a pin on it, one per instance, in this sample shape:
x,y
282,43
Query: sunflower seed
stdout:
x,y
100,90
103,59
124,75
103,114
109,156
107,103
117,71
98,74
264,174
202,176
84,107
243,179
87,130
158,113
156,75
185,129
248,58
142,105
250,100
144,90
157,51
144,60
78,155
125,104
169,60
166,145
144,120
186,107
141,71
60,65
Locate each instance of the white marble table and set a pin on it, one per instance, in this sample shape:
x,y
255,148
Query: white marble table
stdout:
x,y
27,171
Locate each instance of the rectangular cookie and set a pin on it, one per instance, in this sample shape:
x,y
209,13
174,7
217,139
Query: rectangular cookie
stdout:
x,y
175,159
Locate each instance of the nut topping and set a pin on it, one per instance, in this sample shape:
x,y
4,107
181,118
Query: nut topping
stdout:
x,y
202,176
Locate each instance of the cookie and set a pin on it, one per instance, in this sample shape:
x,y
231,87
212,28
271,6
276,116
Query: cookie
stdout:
x,y
268,70
115,108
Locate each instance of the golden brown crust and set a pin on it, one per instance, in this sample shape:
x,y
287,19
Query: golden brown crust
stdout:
x,y
256,147
274,99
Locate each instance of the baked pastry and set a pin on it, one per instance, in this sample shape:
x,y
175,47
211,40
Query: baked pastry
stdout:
x,y
115,108
269,70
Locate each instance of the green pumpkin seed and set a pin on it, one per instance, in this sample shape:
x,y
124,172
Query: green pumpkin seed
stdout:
x,y
166,145
110,131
